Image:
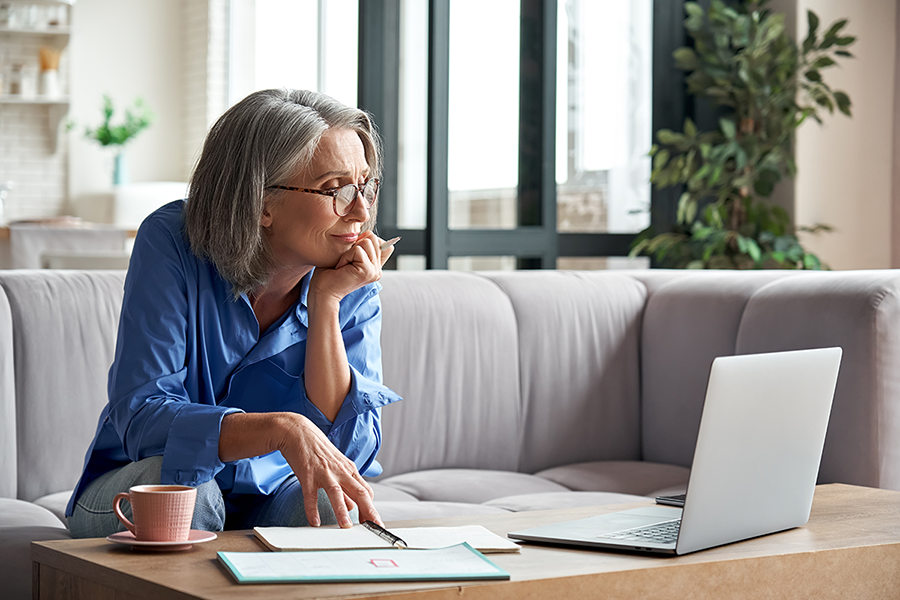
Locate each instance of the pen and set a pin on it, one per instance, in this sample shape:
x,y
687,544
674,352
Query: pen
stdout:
x,y
381,531
384,247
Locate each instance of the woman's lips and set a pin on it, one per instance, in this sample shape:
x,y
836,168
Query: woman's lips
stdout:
x,y
348,238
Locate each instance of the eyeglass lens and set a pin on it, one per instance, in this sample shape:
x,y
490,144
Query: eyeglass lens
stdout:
x,y
347,195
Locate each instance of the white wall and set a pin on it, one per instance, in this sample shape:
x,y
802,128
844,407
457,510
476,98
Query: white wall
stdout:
x,y
126,48
845,168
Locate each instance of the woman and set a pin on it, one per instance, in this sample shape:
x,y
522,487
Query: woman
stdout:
x,y
248,362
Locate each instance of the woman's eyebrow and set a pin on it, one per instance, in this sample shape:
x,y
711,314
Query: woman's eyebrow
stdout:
x,y
339,174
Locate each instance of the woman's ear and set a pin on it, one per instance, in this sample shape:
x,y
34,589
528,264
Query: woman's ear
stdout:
x,y
266,219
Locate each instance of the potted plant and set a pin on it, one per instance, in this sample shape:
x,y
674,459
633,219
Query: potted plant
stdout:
x,y
764,85
137,118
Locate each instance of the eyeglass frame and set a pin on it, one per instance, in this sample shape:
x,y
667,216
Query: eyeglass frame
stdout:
x,y
333,192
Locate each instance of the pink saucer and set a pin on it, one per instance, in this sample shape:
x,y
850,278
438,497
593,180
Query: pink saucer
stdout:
x,y
127,538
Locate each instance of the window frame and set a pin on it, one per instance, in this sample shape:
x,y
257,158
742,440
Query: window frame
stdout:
x,y
535,242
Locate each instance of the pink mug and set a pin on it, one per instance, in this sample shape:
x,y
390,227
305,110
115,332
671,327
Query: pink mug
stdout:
x,y
161,513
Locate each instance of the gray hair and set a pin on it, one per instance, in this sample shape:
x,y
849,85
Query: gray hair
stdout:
x,y
263,140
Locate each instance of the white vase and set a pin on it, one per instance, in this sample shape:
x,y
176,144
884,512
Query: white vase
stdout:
x,y
50,83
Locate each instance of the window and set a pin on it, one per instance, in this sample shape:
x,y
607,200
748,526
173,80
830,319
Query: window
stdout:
x,y
303,44
533,145
603,111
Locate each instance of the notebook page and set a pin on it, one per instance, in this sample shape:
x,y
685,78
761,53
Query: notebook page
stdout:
x,y
422,538
318,538
476,536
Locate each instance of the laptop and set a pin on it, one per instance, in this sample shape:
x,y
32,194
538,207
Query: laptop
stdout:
x,y
755,463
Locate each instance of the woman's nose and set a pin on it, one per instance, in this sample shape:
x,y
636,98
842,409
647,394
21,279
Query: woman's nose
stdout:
x,y
358,211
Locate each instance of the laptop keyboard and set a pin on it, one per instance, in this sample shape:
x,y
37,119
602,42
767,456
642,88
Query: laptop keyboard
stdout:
x,y
665,532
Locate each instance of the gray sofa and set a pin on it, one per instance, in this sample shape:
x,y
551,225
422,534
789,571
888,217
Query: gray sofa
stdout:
x,y
523,391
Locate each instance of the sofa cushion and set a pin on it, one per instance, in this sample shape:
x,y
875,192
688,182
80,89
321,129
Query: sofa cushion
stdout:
x,y
405,511
554,500
20,524
468,485
449,344
56,503
64,325
624,477
15,513
389,493
579,349
689,320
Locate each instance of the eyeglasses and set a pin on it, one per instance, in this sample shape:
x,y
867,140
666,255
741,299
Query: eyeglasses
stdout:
x,y
344,197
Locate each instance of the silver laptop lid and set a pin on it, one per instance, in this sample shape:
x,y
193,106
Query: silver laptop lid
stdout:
x,y
759,447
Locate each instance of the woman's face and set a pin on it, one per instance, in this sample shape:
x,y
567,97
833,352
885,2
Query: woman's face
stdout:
x,y
303,229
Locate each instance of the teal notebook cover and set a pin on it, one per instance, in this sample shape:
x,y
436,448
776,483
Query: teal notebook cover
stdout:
x,y
454,563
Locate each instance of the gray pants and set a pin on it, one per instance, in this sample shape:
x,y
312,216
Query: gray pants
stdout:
x,y
93,514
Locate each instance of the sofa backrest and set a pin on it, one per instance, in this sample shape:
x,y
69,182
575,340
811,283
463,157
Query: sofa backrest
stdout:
x,y
514,371
693,317
579,363
690,319
449,345
64,333
859,311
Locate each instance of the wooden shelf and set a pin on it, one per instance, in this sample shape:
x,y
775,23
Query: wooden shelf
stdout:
x,y
16,99
50,30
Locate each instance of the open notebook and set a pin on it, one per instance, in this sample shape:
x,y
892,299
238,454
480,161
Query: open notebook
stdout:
x,y
361,537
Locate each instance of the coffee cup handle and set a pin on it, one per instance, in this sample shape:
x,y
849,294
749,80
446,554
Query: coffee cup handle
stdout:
x,y
128,524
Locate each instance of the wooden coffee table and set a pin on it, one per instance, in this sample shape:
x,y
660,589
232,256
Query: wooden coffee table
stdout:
x,y
849,549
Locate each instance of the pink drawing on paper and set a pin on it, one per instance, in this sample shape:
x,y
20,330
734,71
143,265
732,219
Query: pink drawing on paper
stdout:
x,y
383,562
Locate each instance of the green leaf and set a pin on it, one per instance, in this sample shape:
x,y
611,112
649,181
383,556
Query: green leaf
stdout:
x,y
695,13
843,102
843,53
754,250
810,40
690,129
775,28
686,59
813,75
660,160
835,28
811,261
729,129
846,41
682,207
823,62
702,233
668,137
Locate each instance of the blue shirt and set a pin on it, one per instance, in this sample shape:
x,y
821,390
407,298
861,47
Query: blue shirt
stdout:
x,y
188,353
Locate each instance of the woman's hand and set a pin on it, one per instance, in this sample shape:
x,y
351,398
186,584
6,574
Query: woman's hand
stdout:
x,y
315,461
318,464
358,266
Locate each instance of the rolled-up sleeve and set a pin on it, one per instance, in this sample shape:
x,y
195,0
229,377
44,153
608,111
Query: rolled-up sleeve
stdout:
x,y
356,430
149,406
